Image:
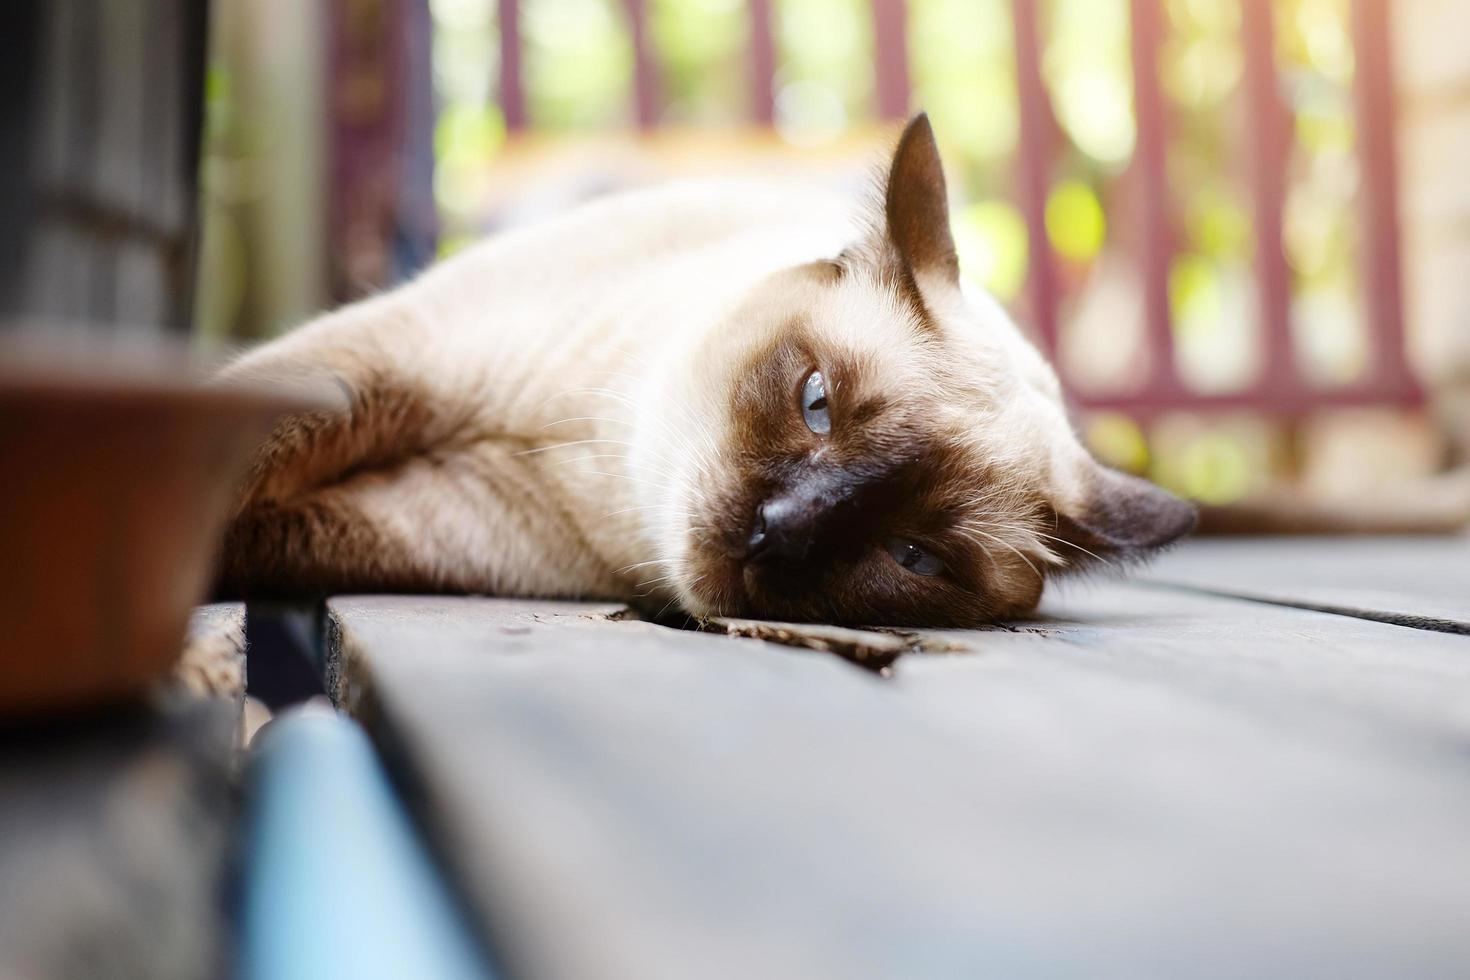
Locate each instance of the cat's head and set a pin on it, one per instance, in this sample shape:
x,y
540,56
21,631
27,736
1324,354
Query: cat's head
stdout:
x,y
884,448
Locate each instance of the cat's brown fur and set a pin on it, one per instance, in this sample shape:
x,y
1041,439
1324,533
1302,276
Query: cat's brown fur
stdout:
x,y
610,405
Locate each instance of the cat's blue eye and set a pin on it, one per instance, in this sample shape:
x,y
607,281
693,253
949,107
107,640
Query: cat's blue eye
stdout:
x,y
913,558
814,404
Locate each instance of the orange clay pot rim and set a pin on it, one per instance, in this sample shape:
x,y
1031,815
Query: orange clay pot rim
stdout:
x,y
37,372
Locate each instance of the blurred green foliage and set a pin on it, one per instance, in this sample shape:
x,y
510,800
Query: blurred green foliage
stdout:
x,y
699,46
579,63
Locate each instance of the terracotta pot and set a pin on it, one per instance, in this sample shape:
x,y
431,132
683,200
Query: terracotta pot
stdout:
x,y
115,480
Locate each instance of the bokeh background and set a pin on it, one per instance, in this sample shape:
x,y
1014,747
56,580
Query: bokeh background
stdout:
x,y
1238,226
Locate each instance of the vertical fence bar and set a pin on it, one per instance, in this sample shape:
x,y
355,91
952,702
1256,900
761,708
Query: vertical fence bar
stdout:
x,y
365,101
645,74
418,218
1268,128
1035,171
1382,271
891,58
762,63
1148,102
512,90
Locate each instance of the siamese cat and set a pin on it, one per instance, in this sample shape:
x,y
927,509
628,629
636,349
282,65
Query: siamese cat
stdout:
x,y
726,399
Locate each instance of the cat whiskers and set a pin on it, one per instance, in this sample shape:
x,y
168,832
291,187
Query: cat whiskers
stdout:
x,y
638,507
573,442
691,418
639,564
675,597
665,437
585,442
689,415
657,456
659,580
971,531
1072,544
671,436
629,478
625,459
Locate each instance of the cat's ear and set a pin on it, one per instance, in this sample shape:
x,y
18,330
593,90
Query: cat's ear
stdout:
x,y
1115,514
915,206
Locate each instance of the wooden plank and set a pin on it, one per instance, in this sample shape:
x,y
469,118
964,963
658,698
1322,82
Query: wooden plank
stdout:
x,y
1271,791
1422,582
866,648
1312,676
406,622
1139,784
113,845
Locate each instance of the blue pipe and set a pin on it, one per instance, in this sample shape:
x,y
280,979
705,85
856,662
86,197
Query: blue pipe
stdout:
x,y
336,882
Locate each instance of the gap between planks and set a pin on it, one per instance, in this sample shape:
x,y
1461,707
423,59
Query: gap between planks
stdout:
x,y
1415,621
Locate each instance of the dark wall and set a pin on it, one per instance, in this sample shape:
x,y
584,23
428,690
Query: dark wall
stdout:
x,y
19,27
101,103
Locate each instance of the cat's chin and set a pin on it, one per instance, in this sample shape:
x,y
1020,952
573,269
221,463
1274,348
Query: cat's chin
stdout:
x,y
726,586
716,580
719,588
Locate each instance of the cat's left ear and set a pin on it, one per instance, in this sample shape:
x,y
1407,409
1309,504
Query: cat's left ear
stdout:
x,y
1116,514
916,208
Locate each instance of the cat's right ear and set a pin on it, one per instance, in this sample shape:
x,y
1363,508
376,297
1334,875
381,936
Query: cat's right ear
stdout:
x,y
916,206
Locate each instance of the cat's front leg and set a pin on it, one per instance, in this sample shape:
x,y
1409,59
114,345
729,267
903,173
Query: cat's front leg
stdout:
x,y
297,523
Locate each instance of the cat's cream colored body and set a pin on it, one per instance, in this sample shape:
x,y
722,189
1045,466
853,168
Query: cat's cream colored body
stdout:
x,y
613,404
555,358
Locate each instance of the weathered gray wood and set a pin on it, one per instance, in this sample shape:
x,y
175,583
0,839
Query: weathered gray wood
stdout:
x,y
866,648
408,622
1142,784
113,846
1413,581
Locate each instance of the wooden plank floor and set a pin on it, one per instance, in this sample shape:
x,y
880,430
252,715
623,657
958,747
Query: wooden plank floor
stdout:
x,y
1415,581
1140,783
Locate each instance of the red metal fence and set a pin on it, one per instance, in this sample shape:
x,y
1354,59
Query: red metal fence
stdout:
x,y
1280,386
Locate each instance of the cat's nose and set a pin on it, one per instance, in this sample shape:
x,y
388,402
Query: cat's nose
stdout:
x,y
783,529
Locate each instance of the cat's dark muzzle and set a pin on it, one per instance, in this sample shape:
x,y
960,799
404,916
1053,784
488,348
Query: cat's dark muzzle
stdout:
x,y
811,518
784,530
790,527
